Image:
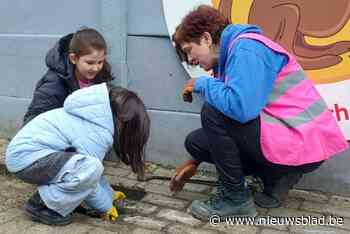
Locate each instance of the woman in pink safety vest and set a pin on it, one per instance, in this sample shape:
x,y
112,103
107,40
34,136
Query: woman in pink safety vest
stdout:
x,y
261,115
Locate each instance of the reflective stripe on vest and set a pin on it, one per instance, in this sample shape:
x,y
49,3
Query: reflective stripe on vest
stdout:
x,y
288,82
310,113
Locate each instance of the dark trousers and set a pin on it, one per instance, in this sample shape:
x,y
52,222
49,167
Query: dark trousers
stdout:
x,y
234,149
42,171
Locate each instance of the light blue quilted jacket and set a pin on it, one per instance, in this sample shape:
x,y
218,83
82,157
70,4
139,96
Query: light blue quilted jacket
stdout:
x,y
84,122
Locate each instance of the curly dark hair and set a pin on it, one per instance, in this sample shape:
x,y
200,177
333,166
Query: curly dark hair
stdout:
x,y
194,24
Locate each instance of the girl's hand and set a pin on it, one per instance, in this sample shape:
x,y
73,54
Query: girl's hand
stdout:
x,y
111,215
119,201
118,195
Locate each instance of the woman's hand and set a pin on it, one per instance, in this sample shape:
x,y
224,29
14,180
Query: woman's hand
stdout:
x,y
183,173
188,90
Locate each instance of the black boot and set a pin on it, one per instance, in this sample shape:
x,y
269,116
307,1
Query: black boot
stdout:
x,y
224,204
36,209
275,192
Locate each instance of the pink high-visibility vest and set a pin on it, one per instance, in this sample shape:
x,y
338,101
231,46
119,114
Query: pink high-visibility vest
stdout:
x,y
296,125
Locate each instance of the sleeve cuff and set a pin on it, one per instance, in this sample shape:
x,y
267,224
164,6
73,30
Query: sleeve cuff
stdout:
x,y
200,84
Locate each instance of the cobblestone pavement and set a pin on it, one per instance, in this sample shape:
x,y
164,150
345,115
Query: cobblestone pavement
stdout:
x,y
159,211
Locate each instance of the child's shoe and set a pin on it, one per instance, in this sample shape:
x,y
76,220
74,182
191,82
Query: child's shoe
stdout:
x,y
36,209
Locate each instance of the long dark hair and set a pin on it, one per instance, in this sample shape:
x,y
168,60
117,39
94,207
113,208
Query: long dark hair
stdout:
x,y
83,41
132,127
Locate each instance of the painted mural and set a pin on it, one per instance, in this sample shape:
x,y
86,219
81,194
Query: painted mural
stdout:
x,y
316,32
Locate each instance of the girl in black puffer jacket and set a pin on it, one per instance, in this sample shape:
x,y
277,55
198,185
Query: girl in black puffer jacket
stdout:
x,y
76,61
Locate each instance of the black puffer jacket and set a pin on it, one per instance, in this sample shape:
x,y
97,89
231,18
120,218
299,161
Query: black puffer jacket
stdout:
x,y
57,83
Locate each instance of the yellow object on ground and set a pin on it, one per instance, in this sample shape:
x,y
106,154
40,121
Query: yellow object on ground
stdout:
x,y
112,214
118,195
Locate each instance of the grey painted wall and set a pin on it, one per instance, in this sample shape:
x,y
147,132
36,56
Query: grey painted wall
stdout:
x,y
142,58
27,30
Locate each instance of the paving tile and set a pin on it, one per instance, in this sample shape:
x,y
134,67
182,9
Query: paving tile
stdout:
x,y
263,221
101,224
182,229
336,211
199,188
340,201
178,216
261,211
232,229
18,225
269,231
75,228
141,208
291,203
112,164
190,196
346,224
287,212
317,229
145,231
150,167
165,201
326,209
10,214
3,145
104,231
146,222
313,206
307,195
164,172
118,172
123,165
115,228
124,182
157,188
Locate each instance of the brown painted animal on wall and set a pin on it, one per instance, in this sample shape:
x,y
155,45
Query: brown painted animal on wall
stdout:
x,y
288,22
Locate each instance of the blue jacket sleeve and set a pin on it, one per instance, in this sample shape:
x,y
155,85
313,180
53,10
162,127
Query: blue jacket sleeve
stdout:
x,y
250,78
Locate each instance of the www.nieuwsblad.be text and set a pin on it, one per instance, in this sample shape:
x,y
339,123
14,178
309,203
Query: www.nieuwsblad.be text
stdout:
x,y
278,220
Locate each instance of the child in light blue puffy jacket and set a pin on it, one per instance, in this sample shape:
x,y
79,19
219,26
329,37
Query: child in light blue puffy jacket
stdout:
x,y
62,151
